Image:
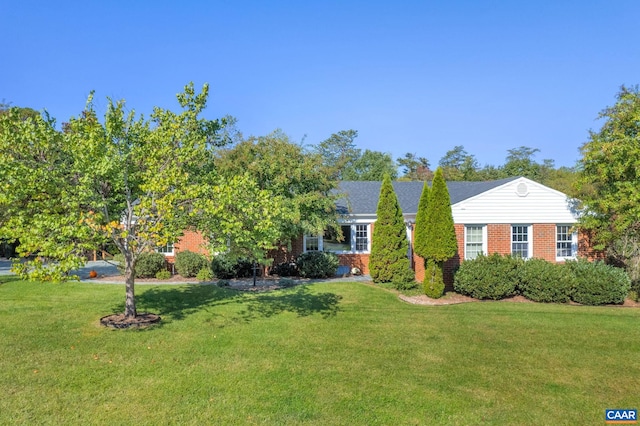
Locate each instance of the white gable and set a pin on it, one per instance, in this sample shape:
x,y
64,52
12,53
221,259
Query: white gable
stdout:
x,y
521,201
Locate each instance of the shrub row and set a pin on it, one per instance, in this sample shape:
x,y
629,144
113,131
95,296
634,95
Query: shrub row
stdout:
x,y
147,266
497,277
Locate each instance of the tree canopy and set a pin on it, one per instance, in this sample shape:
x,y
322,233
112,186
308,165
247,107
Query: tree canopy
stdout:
x,y
609,177
285,170
135,181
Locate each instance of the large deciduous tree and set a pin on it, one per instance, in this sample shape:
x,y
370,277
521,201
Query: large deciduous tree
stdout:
x,y
338,151
609,180
441,243
139,183
298,178
372,166
389,261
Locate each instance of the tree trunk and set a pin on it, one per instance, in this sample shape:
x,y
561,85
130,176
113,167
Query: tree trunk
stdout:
x,y
129,278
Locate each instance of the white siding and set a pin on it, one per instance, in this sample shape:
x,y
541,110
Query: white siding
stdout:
x,y
510,204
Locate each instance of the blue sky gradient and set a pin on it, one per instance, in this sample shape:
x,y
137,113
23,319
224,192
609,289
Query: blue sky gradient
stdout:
x,y
410,76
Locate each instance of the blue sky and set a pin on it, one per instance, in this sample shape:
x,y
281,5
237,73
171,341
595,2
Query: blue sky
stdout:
x,y
410,76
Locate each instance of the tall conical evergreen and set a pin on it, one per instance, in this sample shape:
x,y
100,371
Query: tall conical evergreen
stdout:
x,y
441,242
420,235
389,262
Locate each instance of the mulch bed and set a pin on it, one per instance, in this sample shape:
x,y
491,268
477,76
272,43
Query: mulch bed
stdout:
x,y
119,321
455,298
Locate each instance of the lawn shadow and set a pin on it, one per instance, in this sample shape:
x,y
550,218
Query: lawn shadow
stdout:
x,y
298,300
175,303
6,279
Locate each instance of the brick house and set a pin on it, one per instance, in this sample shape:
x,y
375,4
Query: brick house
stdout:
x,y
508,216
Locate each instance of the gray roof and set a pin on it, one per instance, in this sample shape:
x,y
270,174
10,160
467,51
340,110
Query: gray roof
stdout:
x,y
361,197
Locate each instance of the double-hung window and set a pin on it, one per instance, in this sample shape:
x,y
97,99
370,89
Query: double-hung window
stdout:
x,y
521,241
474,241
167,249
566,242
355,238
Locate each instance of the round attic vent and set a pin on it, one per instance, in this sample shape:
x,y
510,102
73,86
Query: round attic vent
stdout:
x,y
522,189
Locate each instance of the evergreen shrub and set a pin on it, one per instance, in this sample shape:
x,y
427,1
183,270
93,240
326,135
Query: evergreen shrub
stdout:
x,y
204,274
598,283
149,264
188,263
543,281
285,269
433,280
488,277
226,267
317,264
163,275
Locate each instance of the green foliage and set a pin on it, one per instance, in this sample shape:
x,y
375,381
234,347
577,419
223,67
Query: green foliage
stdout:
x,y
296,179
389,260
543,281
149,264
609,175
488,277
433,279
441,243
135,181
599,283
414,168
457,164
337,152
205,274
285,269
163,275
317,264
372,166
420,234
226,266
188,263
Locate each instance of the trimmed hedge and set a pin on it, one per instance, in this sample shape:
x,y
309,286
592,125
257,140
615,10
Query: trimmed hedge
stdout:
x,y
599,283
543,281
188,263
488,277
317,264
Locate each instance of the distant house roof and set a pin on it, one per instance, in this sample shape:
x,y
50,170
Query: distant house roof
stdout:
x,y
361,197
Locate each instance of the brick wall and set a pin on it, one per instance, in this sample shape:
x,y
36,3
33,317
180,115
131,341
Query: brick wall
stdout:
x,y
499,238
544,241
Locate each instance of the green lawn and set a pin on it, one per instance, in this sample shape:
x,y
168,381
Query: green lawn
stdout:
x,y
325,354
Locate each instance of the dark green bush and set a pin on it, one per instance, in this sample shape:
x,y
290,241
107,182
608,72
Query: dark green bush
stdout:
x,y
285,269
599,283
488,277
543,281
147,266
317,264
433,280
188,263
226,267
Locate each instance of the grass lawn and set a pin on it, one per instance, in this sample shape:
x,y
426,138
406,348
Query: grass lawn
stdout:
x,y
325,354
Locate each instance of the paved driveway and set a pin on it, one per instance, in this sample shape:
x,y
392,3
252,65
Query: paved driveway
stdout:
x,y
100,266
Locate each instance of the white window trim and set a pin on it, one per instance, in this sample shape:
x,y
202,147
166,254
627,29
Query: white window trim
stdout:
x,y
574,243
529,238
304,243
484,239
168,253
351,238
